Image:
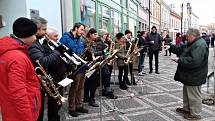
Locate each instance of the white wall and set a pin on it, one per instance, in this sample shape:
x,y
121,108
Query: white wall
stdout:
x,y
10,11
48,9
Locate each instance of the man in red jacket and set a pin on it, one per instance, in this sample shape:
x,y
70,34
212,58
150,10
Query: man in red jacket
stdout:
x,y
20,87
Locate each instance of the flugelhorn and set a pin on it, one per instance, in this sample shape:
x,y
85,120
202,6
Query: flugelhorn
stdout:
x,y
48,84
74,57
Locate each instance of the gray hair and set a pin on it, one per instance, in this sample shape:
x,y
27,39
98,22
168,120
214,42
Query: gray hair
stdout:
x,y
193,31
38,21
51,31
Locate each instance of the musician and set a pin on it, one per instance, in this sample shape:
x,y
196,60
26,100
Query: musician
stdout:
x,y
100,50
74,42
130,42
53,65
92,82
121,54
111,45
52,34
20,87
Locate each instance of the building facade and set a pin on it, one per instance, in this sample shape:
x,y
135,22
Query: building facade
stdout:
x,y
175,24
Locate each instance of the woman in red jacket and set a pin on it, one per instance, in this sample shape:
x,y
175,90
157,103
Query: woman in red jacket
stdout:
x,y
20,87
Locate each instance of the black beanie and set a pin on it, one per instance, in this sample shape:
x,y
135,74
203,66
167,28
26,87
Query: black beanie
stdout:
x,y
24,27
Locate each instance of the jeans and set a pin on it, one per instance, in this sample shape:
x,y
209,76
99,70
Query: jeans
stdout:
x,y
141,62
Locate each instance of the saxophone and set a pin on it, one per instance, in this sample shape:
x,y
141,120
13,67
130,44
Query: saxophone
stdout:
x,y
98,65
112,46
49,86
133,53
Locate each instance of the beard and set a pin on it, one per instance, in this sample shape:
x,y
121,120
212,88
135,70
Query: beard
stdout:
x,y
39,37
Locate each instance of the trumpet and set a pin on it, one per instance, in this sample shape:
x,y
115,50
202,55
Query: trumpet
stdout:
x,y
49,86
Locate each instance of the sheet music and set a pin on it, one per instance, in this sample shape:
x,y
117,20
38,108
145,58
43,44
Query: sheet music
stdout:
x,y
65,82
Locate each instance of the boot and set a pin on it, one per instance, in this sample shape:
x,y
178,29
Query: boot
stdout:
x,y
92,103
110,95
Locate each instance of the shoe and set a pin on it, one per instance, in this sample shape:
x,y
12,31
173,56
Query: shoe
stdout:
x,y
182,110
134,83
165,55
192,117
124,87
104,92
73,113
140,74
82,110
157,72
93,103
128,83
150,72
110,95
86,99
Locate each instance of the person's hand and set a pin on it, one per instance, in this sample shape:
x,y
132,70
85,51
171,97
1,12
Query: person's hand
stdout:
x,y
125,58
175,59
61,48
166,47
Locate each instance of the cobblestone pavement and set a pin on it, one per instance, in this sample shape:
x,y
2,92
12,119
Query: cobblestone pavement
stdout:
x,y
155,98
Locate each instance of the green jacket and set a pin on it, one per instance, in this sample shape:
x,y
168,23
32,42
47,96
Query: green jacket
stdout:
x,y
193,62
121,55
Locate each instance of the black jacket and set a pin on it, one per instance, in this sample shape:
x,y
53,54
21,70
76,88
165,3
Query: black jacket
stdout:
x,y
49,59
156,46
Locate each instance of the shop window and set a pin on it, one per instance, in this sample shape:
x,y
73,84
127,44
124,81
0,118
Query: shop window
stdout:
x,y
88,12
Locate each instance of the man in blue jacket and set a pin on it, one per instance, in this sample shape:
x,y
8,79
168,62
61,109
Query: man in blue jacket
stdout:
x,y
192,72
74,42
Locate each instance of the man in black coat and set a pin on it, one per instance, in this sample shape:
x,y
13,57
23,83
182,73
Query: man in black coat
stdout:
x,y
53,65
154,41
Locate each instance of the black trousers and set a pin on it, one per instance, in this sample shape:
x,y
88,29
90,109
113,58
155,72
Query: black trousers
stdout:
x,y
155,53
90,86
53,107
123,72
131,72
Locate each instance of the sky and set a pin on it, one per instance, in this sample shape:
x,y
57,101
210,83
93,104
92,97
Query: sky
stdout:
x,y
204,9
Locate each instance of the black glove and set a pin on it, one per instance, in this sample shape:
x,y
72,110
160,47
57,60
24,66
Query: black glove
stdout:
x,y
125,58
61,48
71,67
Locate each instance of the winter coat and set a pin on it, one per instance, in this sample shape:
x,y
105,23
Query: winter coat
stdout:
x,y
142,44
76,44
20,88
121,55
193,62
156,46
49,59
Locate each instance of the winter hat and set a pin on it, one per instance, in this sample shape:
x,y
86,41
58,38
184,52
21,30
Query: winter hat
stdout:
x,y
24,27
102,32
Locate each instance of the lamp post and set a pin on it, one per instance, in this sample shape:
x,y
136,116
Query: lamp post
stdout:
x,y
149,14
189,12
182,6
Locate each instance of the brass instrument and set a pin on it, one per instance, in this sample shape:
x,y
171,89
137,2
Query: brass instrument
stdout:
x,y
112,46
49,86
101,64
128,53
131,55
74,57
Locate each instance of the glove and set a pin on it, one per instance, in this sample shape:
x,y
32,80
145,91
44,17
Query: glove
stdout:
x,y
61,48
125,58
71,67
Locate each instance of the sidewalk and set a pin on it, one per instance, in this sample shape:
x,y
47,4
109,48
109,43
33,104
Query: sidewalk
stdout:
x,y
155,98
